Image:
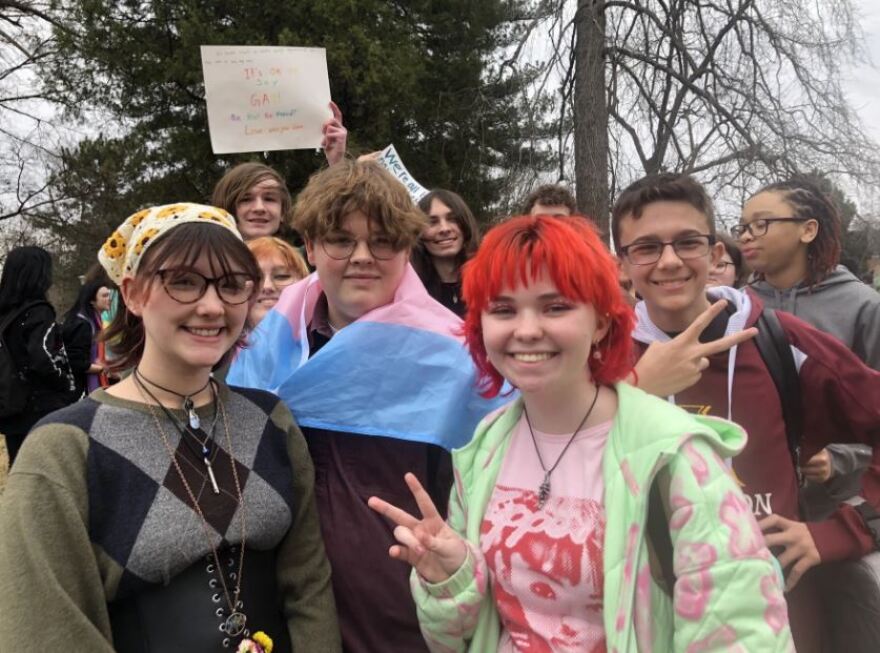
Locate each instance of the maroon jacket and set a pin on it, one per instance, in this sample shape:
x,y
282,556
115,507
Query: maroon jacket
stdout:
x,y
840,396
841,401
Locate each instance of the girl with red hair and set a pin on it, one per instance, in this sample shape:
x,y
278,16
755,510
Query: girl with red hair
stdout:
x,y
584,506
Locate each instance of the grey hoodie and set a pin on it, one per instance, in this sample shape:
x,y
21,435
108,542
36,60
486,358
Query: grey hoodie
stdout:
x,y
848,309
840,305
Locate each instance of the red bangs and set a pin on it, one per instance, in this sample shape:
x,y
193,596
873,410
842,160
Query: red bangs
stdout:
x,y
515,252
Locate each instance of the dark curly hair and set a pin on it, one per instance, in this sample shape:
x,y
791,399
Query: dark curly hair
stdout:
x,y
550,195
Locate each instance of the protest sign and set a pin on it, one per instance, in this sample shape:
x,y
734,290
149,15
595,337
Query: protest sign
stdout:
x,y
390,160
264,98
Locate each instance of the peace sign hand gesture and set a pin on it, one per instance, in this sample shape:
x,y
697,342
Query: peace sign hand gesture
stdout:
x,y
428,544
667,368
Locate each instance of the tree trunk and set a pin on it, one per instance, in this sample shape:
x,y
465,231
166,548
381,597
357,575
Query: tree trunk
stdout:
x,y
591,114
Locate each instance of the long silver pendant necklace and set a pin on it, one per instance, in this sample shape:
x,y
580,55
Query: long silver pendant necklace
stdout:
x,y
236,621
544,488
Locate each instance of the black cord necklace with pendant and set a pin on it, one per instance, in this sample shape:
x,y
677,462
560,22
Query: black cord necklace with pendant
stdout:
x,y
194,424
544,489
188,405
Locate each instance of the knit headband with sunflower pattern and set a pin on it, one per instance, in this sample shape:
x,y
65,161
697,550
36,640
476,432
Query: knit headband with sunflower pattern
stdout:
x,y
124,249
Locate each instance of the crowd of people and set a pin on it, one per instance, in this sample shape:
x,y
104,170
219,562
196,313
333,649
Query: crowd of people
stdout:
x,y
405,435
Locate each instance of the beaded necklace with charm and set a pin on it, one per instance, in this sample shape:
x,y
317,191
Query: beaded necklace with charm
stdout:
x,y
544,489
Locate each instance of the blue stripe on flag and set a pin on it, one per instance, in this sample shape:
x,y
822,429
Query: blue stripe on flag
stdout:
x,y
374,379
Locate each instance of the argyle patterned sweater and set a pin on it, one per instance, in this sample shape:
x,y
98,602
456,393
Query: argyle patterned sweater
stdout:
x,y
94,511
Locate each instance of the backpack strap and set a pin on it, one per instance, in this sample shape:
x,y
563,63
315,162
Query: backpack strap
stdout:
x,y
658,534
776,352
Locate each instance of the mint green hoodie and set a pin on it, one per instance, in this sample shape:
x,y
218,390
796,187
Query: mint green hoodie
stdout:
x,y
727,591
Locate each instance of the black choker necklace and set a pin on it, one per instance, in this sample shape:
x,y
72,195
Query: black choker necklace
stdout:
x,y
188,406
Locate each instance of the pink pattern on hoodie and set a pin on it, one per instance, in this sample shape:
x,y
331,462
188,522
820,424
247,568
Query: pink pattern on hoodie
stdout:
x,y
629,478
628,563
723,636
698,463
694,585
776,613
681,507
746,539
642,616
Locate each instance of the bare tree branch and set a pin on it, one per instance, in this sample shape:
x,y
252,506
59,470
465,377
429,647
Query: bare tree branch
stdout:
x,y
738,91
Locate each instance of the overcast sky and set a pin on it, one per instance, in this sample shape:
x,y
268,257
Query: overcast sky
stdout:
x,y
864,82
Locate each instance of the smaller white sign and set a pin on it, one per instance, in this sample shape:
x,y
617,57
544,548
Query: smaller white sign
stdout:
x,y
263,98
390,160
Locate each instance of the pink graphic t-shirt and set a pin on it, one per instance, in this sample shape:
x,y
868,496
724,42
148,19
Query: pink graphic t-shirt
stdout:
x,y
546,564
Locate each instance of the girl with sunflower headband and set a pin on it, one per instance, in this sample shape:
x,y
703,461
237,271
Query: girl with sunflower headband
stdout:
x,y
170,511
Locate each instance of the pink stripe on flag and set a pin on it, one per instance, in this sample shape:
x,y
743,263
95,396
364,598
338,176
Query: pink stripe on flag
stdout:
x,y
412,306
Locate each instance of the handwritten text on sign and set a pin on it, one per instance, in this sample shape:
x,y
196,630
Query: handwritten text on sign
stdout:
x,y
390,160
264,98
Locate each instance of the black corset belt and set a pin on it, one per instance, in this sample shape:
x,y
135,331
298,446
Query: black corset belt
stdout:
x,y
186,615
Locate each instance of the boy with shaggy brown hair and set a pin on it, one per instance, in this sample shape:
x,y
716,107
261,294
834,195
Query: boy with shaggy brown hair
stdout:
x,y
377,375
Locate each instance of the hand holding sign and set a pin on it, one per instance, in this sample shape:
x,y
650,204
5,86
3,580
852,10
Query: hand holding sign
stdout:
x,y
335,136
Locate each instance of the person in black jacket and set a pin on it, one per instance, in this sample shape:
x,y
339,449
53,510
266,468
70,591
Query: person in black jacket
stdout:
x,y
81,330
446,243
34,342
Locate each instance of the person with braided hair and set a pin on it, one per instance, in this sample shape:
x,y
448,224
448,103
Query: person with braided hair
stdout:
x,y
790,237
789,233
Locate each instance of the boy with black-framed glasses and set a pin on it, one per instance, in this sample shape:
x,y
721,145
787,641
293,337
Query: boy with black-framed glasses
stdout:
x,y
840,394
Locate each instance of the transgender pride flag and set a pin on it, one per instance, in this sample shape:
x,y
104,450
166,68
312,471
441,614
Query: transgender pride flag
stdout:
x,y
399,371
